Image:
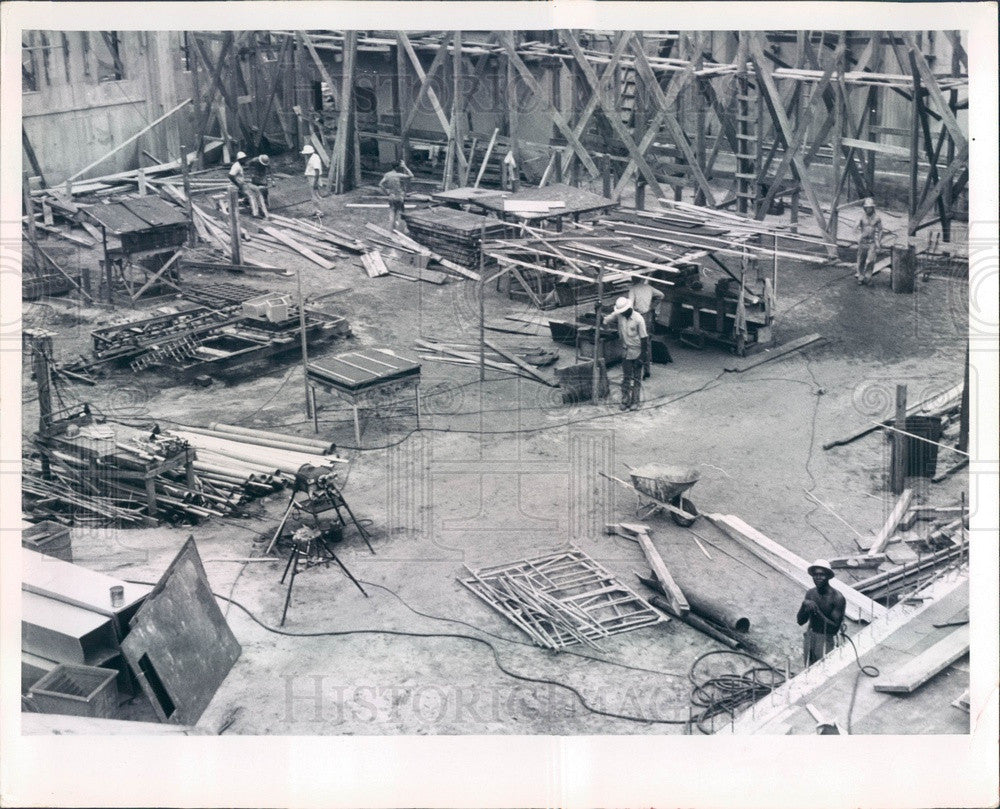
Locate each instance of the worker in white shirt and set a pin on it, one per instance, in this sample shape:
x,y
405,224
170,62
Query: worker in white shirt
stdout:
x,y
632,330
314,170
238,178
645,299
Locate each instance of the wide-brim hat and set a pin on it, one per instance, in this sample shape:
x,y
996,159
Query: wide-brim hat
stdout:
x,y
622,305
868,203
307,149
820,565
265,159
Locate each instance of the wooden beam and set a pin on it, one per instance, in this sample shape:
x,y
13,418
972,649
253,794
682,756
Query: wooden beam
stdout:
x,y
958,165
216,74
323,74
640,533
507,41
612,113
676,131
882,538
583,120
131,140
927,664
507,355
859,606
930,82
784,131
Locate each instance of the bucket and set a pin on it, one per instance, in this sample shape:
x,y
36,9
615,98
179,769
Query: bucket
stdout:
x,y
921,457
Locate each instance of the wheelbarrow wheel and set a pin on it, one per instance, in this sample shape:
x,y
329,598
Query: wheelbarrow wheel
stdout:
x,y
681,502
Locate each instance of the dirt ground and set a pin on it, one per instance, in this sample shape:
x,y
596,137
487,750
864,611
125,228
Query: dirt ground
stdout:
x,y
503,470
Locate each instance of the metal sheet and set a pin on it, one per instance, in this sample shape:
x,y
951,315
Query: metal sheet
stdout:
x,y
155,211
365,367
117,218
179,644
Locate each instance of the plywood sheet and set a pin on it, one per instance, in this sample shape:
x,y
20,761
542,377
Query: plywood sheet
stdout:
x,y
179,645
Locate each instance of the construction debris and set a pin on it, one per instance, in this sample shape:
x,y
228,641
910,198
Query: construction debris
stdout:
x,y
561,599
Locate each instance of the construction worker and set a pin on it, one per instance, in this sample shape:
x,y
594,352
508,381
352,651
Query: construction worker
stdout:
x,y
314,169
645,299
632,329
258,171
869,241
823,609
237,176
393,185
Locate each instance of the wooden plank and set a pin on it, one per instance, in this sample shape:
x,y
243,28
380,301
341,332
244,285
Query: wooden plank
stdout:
x,y
766,356
520,364
873,146
130,140
927,664
881,539
675,596
859,606
507,41
374,264
298,248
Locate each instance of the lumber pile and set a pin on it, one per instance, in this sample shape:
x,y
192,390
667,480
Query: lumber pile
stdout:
x,y
561,599
456,235
495,357
113,491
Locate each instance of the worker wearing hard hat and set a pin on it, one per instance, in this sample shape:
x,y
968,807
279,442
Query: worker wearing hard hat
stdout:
x,y
632,330
869,241
237,176
823,609
314,169
258,173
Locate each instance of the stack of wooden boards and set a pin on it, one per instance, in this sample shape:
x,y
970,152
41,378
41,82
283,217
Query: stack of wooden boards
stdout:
x,y
561,599
456,235
494,357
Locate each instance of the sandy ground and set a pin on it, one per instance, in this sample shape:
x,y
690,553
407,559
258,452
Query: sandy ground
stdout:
x,y
502,470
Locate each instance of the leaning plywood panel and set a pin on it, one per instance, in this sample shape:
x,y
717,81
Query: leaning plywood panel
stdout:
x,y
180,646
927,664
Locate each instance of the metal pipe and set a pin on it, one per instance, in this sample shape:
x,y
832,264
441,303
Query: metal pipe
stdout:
x,y
232,429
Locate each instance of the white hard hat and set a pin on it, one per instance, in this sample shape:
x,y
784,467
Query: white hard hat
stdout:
x,y
621,305
308,149
868,203
240,155
265,159
820,564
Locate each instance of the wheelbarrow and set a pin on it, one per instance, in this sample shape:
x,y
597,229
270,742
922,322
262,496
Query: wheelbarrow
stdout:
x,y
665,485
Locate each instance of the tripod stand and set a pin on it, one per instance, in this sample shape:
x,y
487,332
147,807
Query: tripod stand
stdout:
x,y
309,549
322,496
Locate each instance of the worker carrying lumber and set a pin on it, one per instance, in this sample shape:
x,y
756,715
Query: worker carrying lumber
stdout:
x,y
869,241
237,176
314,169
645,299
823,608
393,185
258,172
632,329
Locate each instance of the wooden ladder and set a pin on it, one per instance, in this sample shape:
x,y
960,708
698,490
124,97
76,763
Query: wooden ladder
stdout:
x,y
747,142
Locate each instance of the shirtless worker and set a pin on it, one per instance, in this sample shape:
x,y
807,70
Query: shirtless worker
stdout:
x,y
237,177
258,171
869,241
393,185
823,608
632,329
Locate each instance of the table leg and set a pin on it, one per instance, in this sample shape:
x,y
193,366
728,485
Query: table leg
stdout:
x,y
312,398
151,497
357,426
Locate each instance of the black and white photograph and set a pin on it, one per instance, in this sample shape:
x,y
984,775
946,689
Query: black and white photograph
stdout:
x,y
551,397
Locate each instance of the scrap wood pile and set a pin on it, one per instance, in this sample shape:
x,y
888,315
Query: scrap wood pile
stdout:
x,y
112,488
494,356
399,242
561,599
454,234
558,269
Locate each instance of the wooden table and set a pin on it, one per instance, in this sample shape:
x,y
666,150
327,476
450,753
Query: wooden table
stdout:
x,y
576,201
365,377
